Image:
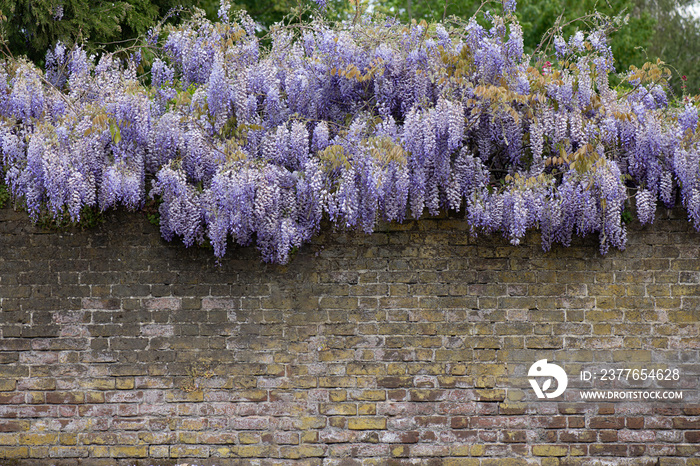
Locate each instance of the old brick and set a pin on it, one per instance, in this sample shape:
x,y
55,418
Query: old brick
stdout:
x,y
366,423
550,450
607,423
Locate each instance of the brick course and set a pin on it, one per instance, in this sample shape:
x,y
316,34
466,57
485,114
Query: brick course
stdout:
x,y
408,346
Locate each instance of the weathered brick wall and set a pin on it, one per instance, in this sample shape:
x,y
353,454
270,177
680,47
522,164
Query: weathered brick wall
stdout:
x,y
409,346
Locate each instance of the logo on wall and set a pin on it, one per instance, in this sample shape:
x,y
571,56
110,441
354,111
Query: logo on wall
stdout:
x,y
543,370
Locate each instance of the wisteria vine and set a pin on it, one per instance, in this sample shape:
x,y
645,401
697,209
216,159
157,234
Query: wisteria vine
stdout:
x,y
354,123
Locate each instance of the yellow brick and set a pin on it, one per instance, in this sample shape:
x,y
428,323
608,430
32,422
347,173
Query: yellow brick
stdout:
x,y
504,462
125,383
491,395
396,369
180,395
603,316
8,439
36,397
337,382
510,407
550,462
491,369
38,452
370,395
251,451
187,437
68,439
275,369
7,385
337,422
485,381
302,451
461,450
477,450
336,355
222,452
129,452
632,342
549,450
99,451
248,437
461,462
338,395
338,409
37,439
99,384
94,397
367,409
193,424
399,451
178,451
306,423
366,423
309,437
447,381
14,452
355,368
159,451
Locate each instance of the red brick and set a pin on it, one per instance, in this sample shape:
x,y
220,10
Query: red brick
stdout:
x,y
607,423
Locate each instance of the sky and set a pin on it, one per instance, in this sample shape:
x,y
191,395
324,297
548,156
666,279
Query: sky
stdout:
x,y
695,9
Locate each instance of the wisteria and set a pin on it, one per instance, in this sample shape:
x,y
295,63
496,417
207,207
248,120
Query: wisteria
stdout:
x,y
354,123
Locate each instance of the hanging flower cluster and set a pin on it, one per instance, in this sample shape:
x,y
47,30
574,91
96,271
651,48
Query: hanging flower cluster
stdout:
x,y
352,123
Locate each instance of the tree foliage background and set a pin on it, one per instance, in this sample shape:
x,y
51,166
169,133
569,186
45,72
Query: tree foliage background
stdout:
x,y
33,26
655,29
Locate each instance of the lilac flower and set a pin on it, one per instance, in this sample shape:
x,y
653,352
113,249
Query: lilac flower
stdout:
x,y
164,142
321,136
509,6
55,64
514,46
688,119
560,46
26,99
646,206
218,91
224,8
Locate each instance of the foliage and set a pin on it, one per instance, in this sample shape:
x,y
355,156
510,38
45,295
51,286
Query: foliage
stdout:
x,y
355,123
34,25
265,12
4,195
676,40
90,217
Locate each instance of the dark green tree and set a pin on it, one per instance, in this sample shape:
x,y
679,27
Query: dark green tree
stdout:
x,y
676,40
266,12
32,26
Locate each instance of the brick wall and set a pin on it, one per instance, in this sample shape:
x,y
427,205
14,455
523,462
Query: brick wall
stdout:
x,y
409,346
